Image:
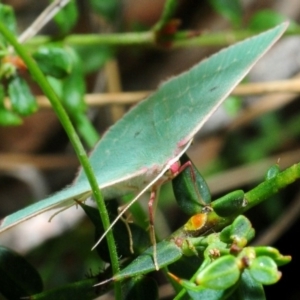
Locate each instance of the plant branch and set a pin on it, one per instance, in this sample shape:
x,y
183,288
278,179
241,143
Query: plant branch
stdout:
x,y
125,98
270,187
253,197
148,38
38,76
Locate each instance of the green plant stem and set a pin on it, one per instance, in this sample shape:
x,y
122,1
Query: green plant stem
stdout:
x,y
265,190
39,77
114,39
270,187
253,197
166,15
180,39
87,130
148,38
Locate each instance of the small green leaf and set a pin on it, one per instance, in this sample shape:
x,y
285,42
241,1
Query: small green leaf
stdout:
x,y
72,96
8,68
264,270
167,14
74,87
220,274
272,172
17,277
22,100
229,9
201,293
265,19
167,253
86,129
273,253
190,189
242,231
232,105
94,57
229,204
56,84
53,61
9,118
67,17
192,246
250,289
225,235
196,291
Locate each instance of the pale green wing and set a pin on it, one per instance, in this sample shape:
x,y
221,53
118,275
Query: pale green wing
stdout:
x,y
140,145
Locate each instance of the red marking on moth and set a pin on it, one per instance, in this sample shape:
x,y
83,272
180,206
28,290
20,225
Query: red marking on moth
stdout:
x,y
175,168
183,142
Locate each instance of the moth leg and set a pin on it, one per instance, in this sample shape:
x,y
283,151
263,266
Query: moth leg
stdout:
x,y
173,171
151,208
126,220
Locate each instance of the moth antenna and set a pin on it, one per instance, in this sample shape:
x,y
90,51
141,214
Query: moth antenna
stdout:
x,y
59,211
104,281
